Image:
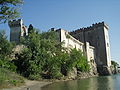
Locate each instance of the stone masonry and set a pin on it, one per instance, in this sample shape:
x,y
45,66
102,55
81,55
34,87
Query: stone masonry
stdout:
x,y
97,36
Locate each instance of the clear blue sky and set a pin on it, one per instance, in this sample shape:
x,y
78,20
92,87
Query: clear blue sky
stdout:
x,y
73,14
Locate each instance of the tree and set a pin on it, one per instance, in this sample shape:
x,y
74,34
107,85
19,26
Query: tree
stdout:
x,y
114,63
41,55
5,52
29,61
9,9
30,29
76,59
5,45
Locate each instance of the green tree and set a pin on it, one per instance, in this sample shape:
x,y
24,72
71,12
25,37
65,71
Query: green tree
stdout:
x,y
50,43
114,63
9,9
5,52
38,54
30,29
29,61
78,60
5,45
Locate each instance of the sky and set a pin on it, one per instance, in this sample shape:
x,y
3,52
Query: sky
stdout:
x,y
71,15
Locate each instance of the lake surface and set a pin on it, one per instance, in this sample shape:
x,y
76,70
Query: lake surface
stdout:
x,y
95,83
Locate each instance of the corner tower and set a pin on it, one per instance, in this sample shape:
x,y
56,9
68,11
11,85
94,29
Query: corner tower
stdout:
x,y
97,36
17,30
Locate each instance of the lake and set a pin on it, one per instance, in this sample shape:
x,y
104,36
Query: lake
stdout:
x,y
95,83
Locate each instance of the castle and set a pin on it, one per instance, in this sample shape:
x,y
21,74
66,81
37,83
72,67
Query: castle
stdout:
x,y
93,41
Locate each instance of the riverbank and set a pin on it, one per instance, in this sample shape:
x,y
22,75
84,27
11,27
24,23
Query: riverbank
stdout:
x,y
37,85
10,79
30,85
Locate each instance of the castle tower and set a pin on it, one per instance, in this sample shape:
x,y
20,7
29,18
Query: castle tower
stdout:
x,y
17,30
97,36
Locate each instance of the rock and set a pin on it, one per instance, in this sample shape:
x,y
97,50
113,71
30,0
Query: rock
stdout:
x,y
17,50
72,74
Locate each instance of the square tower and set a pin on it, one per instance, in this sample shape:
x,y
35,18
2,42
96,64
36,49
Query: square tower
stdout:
x,y
17,29
97,36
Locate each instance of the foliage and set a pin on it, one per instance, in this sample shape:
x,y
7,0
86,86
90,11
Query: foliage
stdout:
x,y
44,55
5,52
5,45
75,58
9,9
114,63
28,62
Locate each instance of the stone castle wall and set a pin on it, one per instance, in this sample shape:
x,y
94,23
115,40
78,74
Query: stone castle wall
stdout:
x,y
97,36
69,41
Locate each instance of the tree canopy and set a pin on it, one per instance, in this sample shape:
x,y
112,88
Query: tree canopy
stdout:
x,y
9,9
114,63
5,52
44,56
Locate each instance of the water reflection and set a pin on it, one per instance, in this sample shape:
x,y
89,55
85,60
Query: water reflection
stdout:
x,y
101,83
96,83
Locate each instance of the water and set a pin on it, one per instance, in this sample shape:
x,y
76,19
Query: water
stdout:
x,y
96,83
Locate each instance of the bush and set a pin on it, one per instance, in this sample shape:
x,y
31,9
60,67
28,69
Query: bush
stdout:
x,y
34,77
5,52
56,74
8,65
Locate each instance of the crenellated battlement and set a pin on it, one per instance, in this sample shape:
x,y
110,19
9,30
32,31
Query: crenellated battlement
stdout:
x,y
15,23
100,24
96,25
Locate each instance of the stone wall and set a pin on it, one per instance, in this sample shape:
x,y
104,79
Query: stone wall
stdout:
x,y
97,36
69,41
91,57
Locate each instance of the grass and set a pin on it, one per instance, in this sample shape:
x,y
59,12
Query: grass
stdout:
x,y
10,79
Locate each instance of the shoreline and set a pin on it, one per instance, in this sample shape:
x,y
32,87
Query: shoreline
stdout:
x,y
37,85
30,85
